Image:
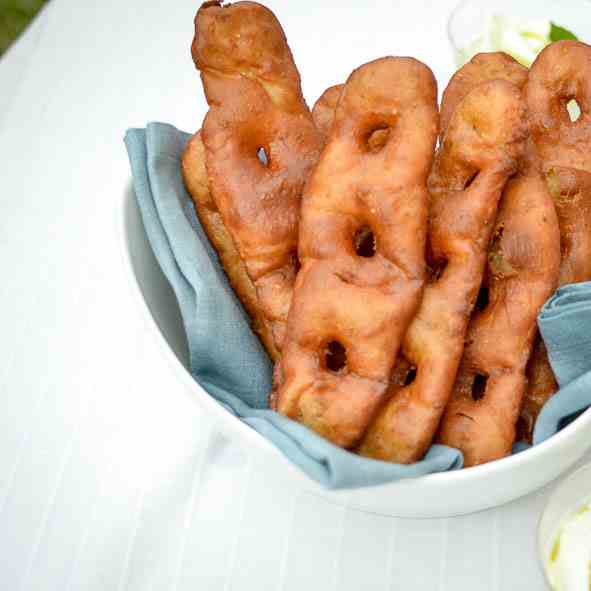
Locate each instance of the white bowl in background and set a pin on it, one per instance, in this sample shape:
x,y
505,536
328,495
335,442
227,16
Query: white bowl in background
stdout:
x,y
434,495
469,19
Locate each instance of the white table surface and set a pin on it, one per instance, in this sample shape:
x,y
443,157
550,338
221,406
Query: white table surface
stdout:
x,y
107,481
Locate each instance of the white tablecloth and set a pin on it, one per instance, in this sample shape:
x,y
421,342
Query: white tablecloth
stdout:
x,y
107,480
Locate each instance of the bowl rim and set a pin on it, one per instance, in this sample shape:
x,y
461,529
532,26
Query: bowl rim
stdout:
x,y
464,475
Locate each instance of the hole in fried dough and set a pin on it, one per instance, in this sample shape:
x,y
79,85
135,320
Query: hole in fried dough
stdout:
x,y
335,357
573,109
296,261
377,138
482,299
401,369
479,386
411,375
436,271
262,156
470,180
364,242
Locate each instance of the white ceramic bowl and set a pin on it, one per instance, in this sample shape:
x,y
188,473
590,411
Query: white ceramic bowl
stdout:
x,y
436,495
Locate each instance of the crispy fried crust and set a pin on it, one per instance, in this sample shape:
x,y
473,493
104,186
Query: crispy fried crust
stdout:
x,y
195,177
481,148
362,241
253,90
571,193
324,110
523,266
561,72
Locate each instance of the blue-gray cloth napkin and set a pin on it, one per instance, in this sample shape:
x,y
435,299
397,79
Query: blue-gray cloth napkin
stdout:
x,y
565,324
226,358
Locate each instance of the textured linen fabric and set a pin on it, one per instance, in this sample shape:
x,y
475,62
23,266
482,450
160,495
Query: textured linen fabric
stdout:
x,y
565,324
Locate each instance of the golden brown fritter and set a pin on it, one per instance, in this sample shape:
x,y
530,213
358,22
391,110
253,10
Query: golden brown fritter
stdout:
x,y
523,266
571,194
260,145
561,72
481,149
362,243
481,68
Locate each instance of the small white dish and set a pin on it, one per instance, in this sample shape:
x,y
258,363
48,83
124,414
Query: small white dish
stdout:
x,y
436,495
468,20
569,496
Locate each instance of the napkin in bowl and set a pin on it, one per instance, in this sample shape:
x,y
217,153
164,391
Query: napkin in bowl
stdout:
x,y
565,324
226,358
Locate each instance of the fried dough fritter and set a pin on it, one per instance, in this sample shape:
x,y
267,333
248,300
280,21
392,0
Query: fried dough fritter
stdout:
x,y
260,144
561,72
523,267
362,244
480,150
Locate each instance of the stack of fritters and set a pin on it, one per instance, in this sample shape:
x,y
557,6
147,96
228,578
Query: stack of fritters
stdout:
x,y
396,284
